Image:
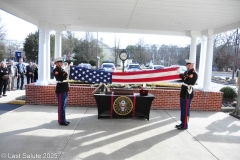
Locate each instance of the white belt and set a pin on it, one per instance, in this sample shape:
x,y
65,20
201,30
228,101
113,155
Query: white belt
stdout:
x,y
62,81
189,87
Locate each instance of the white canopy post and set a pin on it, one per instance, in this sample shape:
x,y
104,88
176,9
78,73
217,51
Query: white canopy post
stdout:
x,y
236,111
208,62
43,54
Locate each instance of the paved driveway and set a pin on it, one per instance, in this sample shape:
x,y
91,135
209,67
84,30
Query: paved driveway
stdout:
x,y
33,130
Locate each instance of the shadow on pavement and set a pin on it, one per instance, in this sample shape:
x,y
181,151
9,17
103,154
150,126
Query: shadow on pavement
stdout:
x,y
5,107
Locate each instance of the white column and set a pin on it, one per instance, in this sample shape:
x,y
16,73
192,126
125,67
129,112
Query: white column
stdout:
x,y
47,63
202,62
193,49
42,57
208,63
58,44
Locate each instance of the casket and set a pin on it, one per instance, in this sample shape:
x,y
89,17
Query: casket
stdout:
x,y
122,91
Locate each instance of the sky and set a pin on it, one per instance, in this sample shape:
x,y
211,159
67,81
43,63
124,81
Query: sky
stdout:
x,y
18,29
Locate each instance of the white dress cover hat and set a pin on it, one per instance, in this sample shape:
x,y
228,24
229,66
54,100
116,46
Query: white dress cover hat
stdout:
x,y
59,59
188,61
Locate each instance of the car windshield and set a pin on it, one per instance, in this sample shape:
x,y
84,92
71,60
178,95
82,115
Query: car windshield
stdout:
x,y
108,65
85,65
133,66
158,66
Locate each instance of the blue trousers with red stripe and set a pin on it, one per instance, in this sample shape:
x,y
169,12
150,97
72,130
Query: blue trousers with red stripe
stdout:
x,y
185,111
62,102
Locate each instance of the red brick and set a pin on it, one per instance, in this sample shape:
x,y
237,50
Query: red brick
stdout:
x,y
164,98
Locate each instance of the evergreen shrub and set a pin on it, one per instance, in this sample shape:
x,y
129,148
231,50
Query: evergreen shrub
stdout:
x,y
228,92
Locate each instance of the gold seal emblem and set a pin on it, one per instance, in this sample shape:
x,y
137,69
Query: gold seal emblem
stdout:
x,y
123,105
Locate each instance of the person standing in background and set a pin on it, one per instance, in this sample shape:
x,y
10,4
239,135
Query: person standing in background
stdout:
x,y
4,78
237,79
30,73
63,66
66,67
51,70
12,75
20,73
35,78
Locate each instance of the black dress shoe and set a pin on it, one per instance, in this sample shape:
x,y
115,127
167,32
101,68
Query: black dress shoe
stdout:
x,y
63,124
67,122
181,128
178,125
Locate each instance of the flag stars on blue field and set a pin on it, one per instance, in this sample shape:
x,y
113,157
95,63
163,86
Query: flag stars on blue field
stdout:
x,y
90,75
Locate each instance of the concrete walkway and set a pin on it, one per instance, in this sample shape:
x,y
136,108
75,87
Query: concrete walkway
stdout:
x,y
12,95
32,131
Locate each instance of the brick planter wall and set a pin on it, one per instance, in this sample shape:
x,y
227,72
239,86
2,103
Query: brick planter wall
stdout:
x,y
81,96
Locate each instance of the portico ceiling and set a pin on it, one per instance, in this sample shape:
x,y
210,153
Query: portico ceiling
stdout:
x,y
167,17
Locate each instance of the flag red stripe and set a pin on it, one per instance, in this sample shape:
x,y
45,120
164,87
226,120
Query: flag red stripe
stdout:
x,y
111,106
144,72
186,115
134,103
145,80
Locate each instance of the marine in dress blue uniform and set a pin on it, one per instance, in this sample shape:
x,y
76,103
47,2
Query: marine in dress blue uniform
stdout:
x,y
186,95
61,90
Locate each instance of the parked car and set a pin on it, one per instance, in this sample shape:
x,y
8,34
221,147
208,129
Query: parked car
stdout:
x,y
156,67
132,67
182,68
108,67
214,68
85,65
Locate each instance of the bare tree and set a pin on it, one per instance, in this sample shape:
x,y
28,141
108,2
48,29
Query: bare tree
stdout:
x,y
69,42
116,50
163,54
2,31
224,45
85,50
2,36
139,53
154,56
